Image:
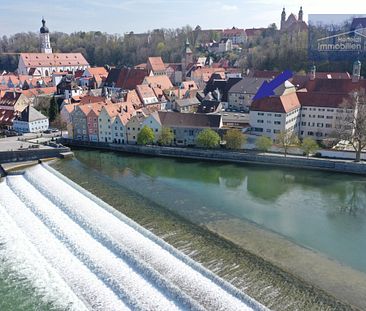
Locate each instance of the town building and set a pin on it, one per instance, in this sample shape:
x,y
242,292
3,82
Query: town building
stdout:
x,y
241,94
134,125
186,126
30,121
236,35
275,114
156,66
45,63
93,77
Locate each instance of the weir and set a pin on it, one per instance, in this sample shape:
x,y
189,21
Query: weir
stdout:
x,y
102,260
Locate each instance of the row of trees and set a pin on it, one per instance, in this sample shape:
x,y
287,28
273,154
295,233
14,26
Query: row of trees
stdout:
x,y
234,139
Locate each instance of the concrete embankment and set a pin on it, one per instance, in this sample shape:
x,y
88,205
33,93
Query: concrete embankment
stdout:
x,y
341,166
31,154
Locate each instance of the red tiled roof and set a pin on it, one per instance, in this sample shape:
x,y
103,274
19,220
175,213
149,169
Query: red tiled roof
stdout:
x,y
334,85
7,117
162,82
98,71
53,59
331,100
128,78
254,31
156,64
233,32
145,91
87,99
280,104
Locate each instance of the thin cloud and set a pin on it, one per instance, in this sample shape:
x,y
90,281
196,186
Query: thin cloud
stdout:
x,y
227,7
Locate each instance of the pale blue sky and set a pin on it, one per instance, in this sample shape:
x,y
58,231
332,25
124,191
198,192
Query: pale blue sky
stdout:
x,y
120,16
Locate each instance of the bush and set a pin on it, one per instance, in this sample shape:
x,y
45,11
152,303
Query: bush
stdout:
x,y
263,143
234,139
309,145
166,137
146,136
208,139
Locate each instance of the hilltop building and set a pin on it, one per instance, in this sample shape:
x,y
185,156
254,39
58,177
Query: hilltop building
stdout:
x,y
45,63
292,23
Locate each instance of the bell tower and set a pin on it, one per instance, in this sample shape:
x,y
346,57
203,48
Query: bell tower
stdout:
x,y
283,19
45,38
301,14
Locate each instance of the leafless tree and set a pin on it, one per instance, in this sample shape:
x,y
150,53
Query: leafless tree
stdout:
x,y
351,122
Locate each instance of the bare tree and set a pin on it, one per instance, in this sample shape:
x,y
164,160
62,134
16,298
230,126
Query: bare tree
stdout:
x,y
351,122
286,139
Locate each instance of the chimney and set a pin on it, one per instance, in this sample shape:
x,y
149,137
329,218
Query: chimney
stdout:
x,y
356,73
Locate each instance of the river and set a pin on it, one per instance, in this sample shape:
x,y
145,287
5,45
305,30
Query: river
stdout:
x,y
310,224
291,239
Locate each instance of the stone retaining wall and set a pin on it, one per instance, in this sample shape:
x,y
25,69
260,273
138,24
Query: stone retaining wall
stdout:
x,y
28,155
230,156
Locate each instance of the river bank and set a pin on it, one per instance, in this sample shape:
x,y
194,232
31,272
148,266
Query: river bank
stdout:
x,y
250,257
218,155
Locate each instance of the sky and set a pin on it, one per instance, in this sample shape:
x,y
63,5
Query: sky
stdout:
x,y
121,16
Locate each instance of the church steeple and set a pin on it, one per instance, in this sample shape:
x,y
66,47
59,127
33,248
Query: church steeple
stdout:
x,y
301,13
283,18
45,38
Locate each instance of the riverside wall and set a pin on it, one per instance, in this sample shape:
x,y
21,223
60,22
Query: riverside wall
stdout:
x,y
341,166
29,155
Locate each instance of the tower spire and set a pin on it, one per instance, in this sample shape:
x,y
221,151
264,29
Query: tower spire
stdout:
x,y
301,14
45,38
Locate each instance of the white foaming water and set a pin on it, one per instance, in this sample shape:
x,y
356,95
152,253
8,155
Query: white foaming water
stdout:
x,y
107,260
20,256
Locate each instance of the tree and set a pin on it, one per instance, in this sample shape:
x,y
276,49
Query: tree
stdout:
x,y
309,145
263,143
146,136
208,139
286,139
53,110
234,139
166,136
351,122
59,123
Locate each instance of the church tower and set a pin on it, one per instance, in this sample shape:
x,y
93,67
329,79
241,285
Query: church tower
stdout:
x,y
301,14
283,19
186,59
45,38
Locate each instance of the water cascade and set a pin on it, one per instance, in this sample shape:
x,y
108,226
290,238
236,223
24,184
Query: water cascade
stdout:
x,y
82,254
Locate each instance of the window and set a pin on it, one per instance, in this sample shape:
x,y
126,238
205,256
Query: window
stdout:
x,y
329,117
277,122
276,131
260,121
268,131
260,113
320,116
278,115
303,123
328,125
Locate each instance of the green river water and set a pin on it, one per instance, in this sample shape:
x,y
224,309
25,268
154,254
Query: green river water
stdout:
x,y
289,238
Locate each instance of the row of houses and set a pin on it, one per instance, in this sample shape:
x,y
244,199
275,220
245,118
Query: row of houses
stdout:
x,y
120,123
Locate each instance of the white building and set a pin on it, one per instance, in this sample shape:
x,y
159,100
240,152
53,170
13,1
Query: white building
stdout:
x,y
30,121
45,63
319,113
269,116
153,122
